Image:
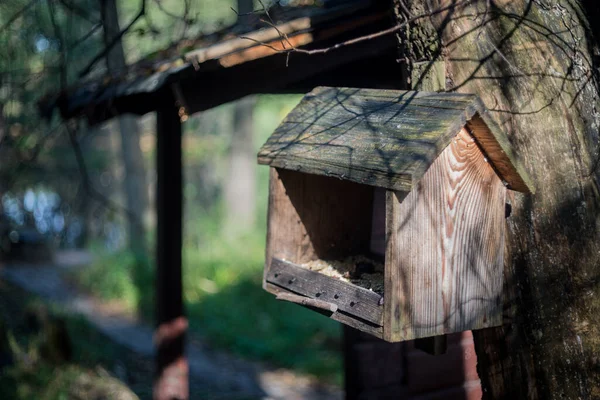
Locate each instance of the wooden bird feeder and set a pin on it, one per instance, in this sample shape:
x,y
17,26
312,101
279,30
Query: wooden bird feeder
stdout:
x,y
387,210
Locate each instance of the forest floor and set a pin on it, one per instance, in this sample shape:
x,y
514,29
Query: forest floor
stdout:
x,y
126,342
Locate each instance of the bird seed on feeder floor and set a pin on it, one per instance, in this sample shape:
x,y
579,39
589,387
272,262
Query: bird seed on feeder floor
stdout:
x,y
358,270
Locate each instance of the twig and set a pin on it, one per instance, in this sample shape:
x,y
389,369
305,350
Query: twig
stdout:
x,y
274,25
505,58
360,39
266,44
85,37
282,35
239,14
169,13
405,8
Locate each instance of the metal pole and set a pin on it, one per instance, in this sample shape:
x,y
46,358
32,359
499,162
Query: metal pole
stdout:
x,y
171,378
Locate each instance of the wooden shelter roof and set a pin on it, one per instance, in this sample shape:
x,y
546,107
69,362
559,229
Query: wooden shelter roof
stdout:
x,y
386,138
242,59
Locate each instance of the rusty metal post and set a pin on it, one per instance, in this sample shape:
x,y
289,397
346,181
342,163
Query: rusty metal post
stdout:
x,y
171,375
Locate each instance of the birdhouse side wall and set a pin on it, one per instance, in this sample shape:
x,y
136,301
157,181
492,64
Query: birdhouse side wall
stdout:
x,y
445,244
314,217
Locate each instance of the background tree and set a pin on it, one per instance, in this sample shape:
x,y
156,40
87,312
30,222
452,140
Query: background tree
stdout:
x,y
135,174
240,184
41,49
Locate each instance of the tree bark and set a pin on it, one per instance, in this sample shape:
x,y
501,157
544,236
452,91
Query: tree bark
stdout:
x,y
533,64
135,175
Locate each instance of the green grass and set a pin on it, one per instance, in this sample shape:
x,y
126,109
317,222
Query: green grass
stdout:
x,y
112,277
236,314
227,305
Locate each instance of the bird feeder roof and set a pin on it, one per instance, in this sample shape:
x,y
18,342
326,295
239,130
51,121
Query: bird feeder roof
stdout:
x,y
385,138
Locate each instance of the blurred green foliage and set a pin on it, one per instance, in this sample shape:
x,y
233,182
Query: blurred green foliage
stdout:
x,y
223,276
51,382
167,22
227,306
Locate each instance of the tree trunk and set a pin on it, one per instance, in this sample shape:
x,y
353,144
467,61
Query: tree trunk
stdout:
x,y
3,132
135,175
533,63
240,184
2,124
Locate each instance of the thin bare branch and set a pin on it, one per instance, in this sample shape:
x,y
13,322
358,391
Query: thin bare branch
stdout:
x,y
266,44
350,42
79,11
85,37
162,8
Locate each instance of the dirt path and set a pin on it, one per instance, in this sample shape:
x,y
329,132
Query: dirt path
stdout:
x,y
215,372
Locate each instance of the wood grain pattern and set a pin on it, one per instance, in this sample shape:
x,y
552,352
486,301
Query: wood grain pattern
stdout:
x,y
498,149
385,138
349,298
431,77
287,237
444,256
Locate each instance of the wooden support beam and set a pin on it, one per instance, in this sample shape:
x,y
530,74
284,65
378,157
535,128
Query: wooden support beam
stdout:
x,y
171,379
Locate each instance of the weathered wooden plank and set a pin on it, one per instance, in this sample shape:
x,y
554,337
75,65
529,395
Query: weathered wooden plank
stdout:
x,y
250,40
307,301
301,35
340,316
287,237
497,147
357,175
445,248
349,298
351,321
385,138
424,96
264,50
431,77
369,140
